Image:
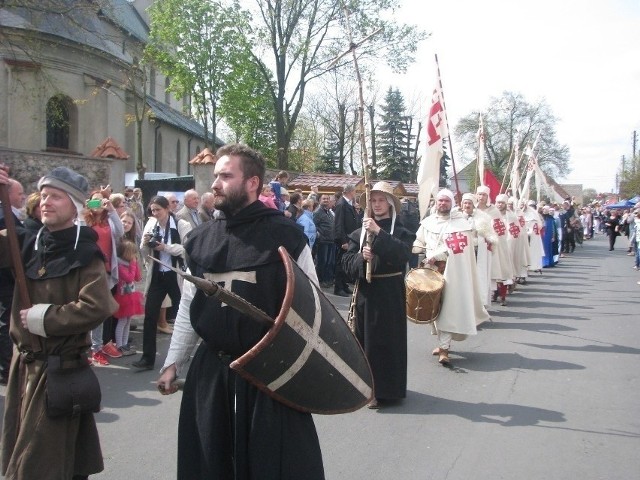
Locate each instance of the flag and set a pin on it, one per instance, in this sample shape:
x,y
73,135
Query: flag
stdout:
x,y
524,193
493,183
429,169
481,152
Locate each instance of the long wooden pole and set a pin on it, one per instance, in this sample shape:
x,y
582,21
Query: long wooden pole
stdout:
x,y
14,249
446,118
363,141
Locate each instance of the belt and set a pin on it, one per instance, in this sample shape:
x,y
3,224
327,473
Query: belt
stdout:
x,y
387,275
66,361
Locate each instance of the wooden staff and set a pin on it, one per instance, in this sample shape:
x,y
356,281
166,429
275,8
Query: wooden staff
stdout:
x,y
16,260
446,119
363,143
14,249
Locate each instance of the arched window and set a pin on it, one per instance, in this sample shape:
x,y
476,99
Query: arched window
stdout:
x,y
167,94
58,122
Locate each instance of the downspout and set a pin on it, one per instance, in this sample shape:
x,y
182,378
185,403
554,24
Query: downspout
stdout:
x,y
155,148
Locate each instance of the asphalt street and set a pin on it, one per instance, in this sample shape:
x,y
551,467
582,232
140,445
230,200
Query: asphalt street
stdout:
x,y
548,390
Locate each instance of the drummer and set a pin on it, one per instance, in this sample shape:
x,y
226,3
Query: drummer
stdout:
x,y
446,240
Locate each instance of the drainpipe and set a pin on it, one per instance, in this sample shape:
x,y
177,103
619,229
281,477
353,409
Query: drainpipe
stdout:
x,y
155,147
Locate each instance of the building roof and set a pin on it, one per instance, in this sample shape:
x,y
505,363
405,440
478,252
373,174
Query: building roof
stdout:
x,y
328,181
171,116
206,156
126,17
109,149
79,22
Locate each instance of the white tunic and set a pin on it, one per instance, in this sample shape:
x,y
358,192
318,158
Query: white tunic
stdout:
x,y
501,263
534,226
450,238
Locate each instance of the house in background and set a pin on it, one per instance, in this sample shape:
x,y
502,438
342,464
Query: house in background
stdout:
x,y
66,87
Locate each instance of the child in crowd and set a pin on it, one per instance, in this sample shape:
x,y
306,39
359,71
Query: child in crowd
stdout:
x,y
128,298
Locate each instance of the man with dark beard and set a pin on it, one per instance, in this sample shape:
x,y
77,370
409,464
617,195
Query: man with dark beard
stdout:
x,y
229,429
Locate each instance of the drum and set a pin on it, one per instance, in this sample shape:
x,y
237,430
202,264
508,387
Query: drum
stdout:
x,y
424,294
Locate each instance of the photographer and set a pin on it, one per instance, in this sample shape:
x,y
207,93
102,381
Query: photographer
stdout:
x,y
161,238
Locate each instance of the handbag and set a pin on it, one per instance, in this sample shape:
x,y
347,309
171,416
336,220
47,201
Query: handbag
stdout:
x,y
71,391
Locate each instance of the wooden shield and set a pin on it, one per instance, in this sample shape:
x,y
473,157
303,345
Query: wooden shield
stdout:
x,y
309,359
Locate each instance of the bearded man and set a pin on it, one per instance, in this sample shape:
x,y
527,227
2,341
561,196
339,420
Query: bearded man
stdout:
x,y
228,428
446,240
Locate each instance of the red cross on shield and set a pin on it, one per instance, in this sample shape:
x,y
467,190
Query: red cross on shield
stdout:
x,y
499,226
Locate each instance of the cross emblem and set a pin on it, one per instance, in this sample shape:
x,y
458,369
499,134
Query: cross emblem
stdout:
x,y
536,229
499,226
456,242
514,230
521,220
225,278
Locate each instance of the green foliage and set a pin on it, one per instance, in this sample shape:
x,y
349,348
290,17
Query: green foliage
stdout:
x,y
630,179
509,121
247,108
330,158
393,160
305,37
197,45
589,195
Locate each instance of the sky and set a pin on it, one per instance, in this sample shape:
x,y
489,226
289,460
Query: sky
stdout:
x,y
581,56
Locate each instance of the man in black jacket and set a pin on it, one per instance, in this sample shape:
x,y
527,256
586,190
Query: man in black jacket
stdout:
x,y
325,248
346,221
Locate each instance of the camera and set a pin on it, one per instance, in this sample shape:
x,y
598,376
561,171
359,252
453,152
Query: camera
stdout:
x,y
156,238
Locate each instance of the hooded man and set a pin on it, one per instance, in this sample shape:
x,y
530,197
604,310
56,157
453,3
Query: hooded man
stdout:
x,y
380,305
446,240
69,292
501,264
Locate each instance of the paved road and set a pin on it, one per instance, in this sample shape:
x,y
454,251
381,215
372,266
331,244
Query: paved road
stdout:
x,y
548,390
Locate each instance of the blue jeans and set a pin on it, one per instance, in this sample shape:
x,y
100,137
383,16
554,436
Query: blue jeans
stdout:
x,y
637,255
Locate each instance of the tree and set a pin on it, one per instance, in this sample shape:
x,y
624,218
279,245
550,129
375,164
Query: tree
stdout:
x,y
304,37
330,157
246,107
589,195
393,139
197,45
509,121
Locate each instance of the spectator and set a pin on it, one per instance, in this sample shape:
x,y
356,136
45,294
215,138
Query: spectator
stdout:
x,y
207,209
129,300
305,219
189,212
104,220
33,221
162,237
266,197
277,185
325,245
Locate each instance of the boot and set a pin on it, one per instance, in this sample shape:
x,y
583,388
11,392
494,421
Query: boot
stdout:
x,y
443,357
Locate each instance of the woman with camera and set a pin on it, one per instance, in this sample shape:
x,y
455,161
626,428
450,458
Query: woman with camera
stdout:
x,y
162,238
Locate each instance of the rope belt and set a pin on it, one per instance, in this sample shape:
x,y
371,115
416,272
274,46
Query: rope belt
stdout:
x,y
387,275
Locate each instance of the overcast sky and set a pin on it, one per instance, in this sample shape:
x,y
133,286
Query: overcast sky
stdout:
x,y
582,56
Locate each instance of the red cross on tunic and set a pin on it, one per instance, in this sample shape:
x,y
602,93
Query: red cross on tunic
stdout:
x,y
536,229
499,226
514,230
522,222
456,242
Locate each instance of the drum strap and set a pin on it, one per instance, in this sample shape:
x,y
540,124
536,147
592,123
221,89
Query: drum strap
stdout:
x,y
386,275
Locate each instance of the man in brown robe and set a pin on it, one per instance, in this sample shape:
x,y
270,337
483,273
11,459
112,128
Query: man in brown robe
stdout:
x,y
68,290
